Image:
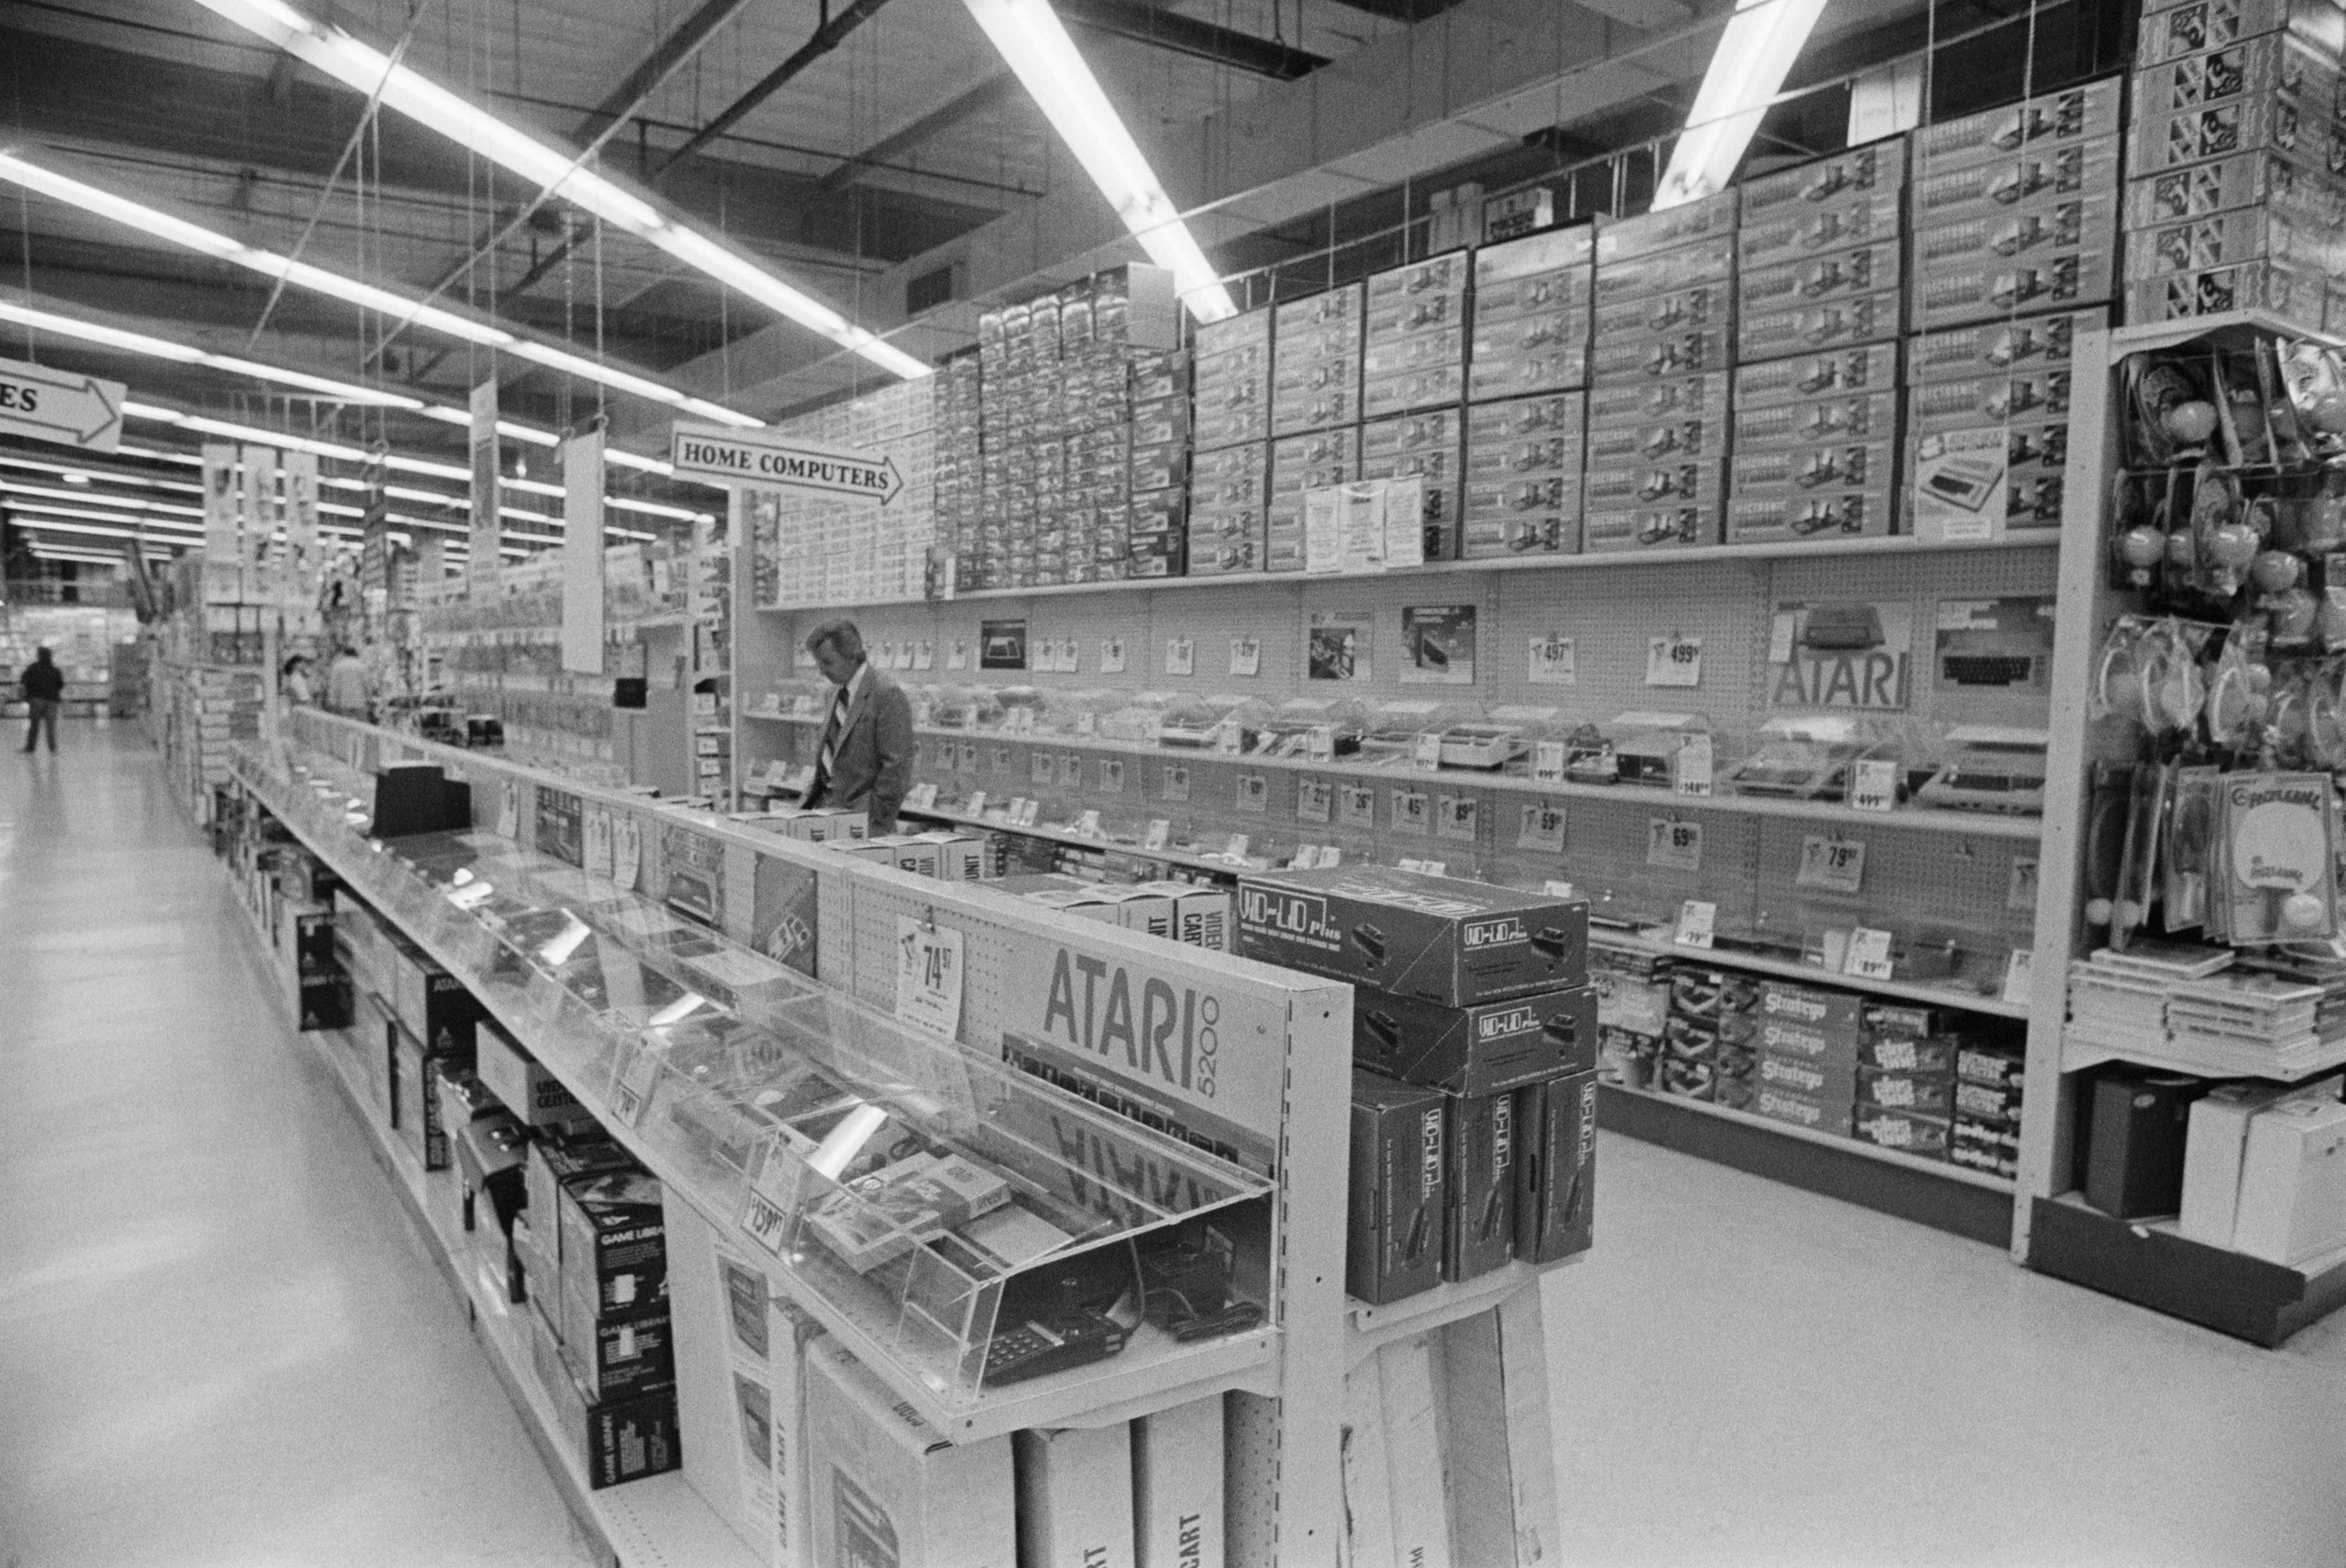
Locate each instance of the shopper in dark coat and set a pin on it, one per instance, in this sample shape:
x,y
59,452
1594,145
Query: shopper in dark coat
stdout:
x,y
864,757
45,689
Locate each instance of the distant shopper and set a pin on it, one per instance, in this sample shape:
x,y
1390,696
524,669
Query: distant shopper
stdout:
x,y
864,756
45,687
346,683
296,685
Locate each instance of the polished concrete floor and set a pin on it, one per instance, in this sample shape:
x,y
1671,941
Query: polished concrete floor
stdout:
x,y
221,1344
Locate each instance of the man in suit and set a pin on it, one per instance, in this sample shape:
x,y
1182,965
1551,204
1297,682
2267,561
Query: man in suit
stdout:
x,y
864,755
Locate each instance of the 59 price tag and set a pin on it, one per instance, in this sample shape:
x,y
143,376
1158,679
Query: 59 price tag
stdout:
x,y
1543,827
1835,865
1673,846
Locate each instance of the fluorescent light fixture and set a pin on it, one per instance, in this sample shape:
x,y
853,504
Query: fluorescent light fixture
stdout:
x,y
106,475
367,70
29,509
83,497
1746,71
1030,37
158,349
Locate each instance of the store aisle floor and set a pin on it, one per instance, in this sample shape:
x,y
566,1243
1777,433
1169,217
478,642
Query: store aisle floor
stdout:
x,y
222,1346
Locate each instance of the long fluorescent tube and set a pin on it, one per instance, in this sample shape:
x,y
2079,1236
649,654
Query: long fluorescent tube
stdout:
x,y
83,497
164,226
367,70
181,353
1746,71
1030,37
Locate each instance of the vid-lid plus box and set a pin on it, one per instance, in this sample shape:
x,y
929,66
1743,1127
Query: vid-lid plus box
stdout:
x,y
1400,1179
1480,1232
1479,1049
1556,1168
1413,935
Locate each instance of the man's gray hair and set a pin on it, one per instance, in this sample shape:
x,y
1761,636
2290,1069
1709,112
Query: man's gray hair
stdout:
x,y
839,634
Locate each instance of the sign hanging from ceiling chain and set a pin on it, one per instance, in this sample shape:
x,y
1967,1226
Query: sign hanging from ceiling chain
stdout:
x,y
757,459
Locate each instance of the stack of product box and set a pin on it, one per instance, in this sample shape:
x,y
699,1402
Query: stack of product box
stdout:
x,y
1710,1038
1808,1043
1094,360
958,476
1229,470
1412,379
1197,913
1157,476
1658,378
1986,1132
1906,1078
1524,418
2233,201
1004,530
1633,1010
1315,410
1820,304
1474,1056
2014,218
593,1240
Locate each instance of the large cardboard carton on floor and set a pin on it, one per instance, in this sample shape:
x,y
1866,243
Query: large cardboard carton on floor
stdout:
x,y
1075,1498
1177,1487
885,1487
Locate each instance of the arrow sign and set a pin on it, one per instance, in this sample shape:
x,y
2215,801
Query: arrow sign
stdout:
x,y
59,406
759,461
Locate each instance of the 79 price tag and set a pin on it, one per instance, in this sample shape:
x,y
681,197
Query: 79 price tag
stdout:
x,y
1673,846
1835,865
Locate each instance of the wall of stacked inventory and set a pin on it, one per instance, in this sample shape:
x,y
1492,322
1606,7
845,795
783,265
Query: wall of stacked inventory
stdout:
x,y
810,549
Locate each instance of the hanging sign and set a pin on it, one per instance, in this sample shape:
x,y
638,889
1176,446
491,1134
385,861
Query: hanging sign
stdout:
x,y
764,461
44,404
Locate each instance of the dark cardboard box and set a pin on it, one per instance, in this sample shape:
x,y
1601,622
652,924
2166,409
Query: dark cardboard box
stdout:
x,y
1434,938
412,798
1480,1231
314,944
1480,1050
1555,1168
615,1441
614,1236
432,1003
2134,1140
1908,1132
324,1000
1394,1233
1932,1094
614,1353
557,1157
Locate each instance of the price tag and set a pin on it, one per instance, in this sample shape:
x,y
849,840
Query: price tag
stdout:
x,y
1673,846
632,1084
1305,858
1555,889
1071,771
1177,781
509,810
2020,893
1330,857
1320,743
1246,656
1552,662
1690,773
765,1216
922,797
1087,722
1673,661
1867,956
1433,868
1254,792
2018,976
1426,755
1111,775
1836,865
1779,636
1407,863
1412,811
1159,830
1547,762
1696,920
1180,656
1229,737
627,848
1456,816
1015,811
1111,655
1313,799
1356,806
1040,768
1543,827
1874,784
597,843
1089,825
1028,812
1237,847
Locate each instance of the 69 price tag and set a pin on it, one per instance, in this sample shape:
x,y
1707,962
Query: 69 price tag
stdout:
x,y
1673,846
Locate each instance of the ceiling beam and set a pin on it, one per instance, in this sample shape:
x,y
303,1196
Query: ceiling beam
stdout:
x,y
988,94
654,69
825,40
1179,35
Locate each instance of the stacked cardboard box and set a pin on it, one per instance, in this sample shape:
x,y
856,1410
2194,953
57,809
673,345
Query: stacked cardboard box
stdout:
x,y
1413,378
1229,473
1315,410
1474,1056
1988,424
1633,1010
1663,347
1986,1132
1524,454
1808,1043
1906,1078
958,477
2234,197
1156,466
1709,1050
1820,255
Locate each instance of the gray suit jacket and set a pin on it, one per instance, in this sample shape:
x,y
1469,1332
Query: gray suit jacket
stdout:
x,y
875,753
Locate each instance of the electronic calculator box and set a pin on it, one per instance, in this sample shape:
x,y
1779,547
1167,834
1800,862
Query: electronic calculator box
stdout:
x,y
1804,328
1638,402
1479,1233
1478,1050
1556,1168
1765,426
2077,114
1432,938
1650,528
1400,1165
1666,440
1853,217
886,1489
1620,238
1874,169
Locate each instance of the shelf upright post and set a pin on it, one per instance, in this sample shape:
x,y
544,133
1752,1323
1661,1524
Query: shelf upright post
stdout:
x,y
2081,612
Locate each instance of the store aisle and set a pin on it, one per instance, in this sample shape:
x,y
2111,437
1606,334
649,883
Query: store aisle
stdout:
x,y
1747,1376
221,1344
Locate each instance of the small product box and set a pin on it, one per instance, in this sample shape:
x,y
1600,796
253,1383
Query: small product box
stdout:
x,y
1908,1132
431,1003
1762,425
615,1441
1400,1163
1478,1050
531,1093
1811,279
614,1240
1433,938
1933,1055
1638,403
1640,355
1850,513
2266,181
1818,1113
614,1353
557,1158
2013,192
1074,1497
1804,329
2072,115
1828,1082
1931,1094
1556,1168
1651,528
1479,1234
1984,1146
2293,1203
1711,218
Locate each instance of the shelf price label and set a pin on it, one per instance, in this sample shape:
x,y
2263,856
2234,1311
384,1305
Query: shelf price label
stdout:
x,y
627,848
1457,817
1111,775
1089,825
1426,755
1868,957
1237,847
1331,856
1014,811
632,1082
1319,742
1672,845
1356,806
1547,762
1177,781
1690,773
928,977
765,1216
922,797
1412,811
2018,976
1557,890
1071,771
1180,656
1543,827
1028,812
1229,738
1313,797
1254,792
1698,922
1834,864
1673,661
975,805
1874,784
1552,662
1159,830
1041,769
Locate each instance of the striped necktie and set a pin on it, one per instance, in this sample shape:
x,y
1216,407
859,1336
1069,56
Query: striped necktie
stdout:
x,y
830,734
